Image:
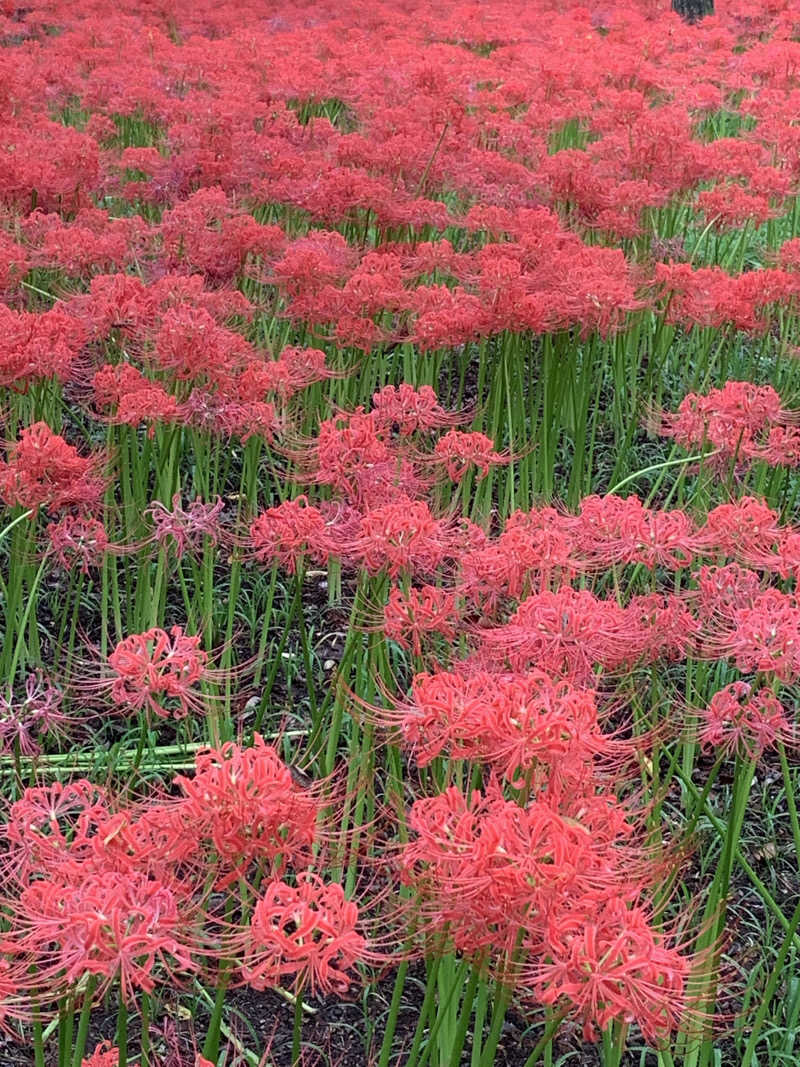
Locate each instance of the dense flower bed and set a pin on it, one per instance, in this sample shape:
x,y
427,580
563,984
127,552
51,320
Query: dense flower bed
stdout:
x,y
400,538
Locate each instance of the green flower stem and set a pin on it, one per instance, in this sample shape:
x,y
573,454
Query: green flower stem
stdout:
x,y
83,1023
297,1028
657,467
394,1012
144,1015
26,615
545,1041
121,1039
791,803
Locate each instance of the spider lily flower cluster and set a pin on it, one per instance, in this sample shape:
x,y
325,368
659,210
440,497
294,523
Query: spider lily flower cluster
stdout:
x,y
127,892
543,873
739,422
288,296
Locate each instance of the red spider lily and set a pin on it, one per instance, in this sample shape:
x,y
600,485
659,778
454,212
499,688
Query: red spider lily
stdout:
x,y
613,530
172,290
38,347
149,836
662,627
408,617
264,377
206,233
483,867
746,527
119,302
50,823
533,547
158,671
123,303
242,420
61,177
764,636
296,369
104,1055
342,527
406,410
566,633
460,451
739,721
186,527
23,723
43,470
738,408
446,318
605,961
135,398
441,713
190,346
92,241
402,537
213,412
244,806
305,366
731,207
356,457
783,561
347,450
321,257
307,932
78,541
722,591
530,729
781,447
123,927
709,296
736,420
537,728
284,534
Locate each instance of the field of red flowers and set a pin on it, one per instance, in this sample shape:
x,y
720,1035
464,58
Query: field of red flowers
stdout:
x,y
400,481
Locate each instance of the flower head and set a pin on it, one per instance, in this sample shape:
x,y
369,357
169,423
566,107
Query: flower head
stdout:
x,y
186,527
104,1055
606,961
460,451
78,540
245,807
120,926
42,470
158,671
49,823
307,932
408,617
402,536
285,533
740,721
26,721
